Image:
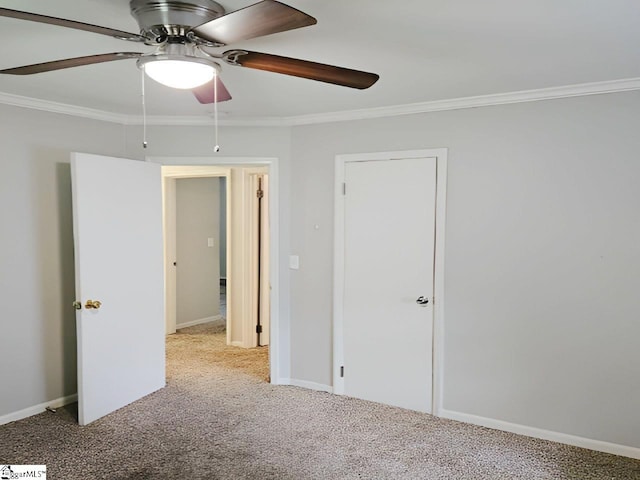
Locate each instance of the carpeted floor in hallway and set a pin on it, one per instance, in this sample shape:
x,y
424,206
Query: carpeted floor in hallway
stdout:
x,y
219,419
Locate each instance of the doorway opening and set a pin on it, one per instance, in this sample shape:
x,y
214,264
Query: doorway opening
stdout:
x,y
230,259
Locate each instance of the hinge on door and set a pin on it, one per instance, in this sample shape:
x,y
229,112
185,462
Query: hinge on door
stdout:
x,y
258,328
342,372
259,193
344,189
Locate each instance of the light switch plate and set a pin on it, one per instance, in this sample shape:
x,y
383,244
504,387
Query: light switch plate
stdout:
x,y
209,242
294,262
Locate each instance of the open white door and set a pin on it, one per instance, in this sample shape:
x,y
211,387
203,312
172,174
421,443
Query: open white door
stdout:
x,y
117,222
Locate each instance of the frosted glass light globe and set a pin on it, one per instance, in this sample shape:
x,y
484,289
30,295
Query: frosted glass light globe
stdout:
x,y
181,74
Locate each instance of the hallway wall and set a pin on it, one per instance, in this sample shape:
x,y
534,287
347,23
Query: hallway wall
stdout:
x,y
198,264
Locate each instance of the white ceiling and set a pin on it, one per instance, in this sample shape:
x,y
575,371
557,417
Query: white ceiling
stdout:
x,y
424,50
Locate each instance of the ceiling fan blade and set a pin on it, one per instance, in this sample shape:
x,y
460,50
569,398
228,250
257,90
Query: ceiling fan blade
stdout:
x,y
205,93
263,18
302,68
69,62
34,17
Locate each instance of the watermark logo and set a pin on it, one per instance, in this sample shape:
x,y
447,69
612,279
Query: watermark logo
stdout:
x,y
11,472
5,472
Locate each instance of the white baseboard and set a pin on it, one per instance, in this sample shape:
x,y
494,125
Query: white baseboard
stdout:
x,y
305,384
200,321
36,409
237,343
597,445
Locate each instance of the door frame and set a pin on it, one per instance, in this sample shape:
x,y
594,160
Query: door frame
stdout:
x,y
440,154
255,285
279,347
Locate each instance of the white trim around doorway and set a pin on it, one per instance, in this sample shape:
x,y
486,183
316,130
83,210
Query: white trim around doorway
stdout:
x,y
339,262
279,346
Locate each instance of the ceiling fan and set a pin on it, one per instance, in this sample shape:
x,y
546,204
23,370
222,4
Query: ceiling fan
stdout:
x,y
183,32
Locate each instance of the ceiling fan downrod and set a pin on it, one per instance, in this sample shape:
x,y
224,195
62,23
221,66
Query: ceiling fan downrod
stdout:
x,y
162,19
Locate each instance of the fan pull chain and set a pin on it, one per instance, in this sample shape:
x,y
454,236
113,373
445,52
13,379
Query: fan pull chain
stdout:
x,y
216,148
144,112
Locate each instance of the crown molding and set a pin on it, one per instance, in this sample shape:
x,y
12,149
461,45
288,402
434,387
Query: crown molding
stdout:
x,y
552,93
122,119
202,120
62,108
523,96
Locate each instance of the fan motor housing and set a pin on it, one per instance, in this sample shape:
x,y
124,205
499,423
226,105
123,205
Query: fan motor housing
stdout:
x,y
173,17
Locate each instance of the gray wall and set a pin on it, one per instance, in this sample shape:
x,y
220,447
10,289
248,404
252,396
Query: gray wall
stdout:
x,y
542,257
198,270
37,284
542,263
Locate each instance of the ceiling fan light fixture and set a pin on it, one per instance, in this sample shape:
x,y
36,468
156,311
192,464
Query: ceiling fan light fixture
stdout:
x,y
182,72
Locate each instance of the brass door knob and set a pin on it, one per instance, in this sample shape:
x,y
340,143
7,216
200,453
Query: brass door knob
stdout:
x,y
93,304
